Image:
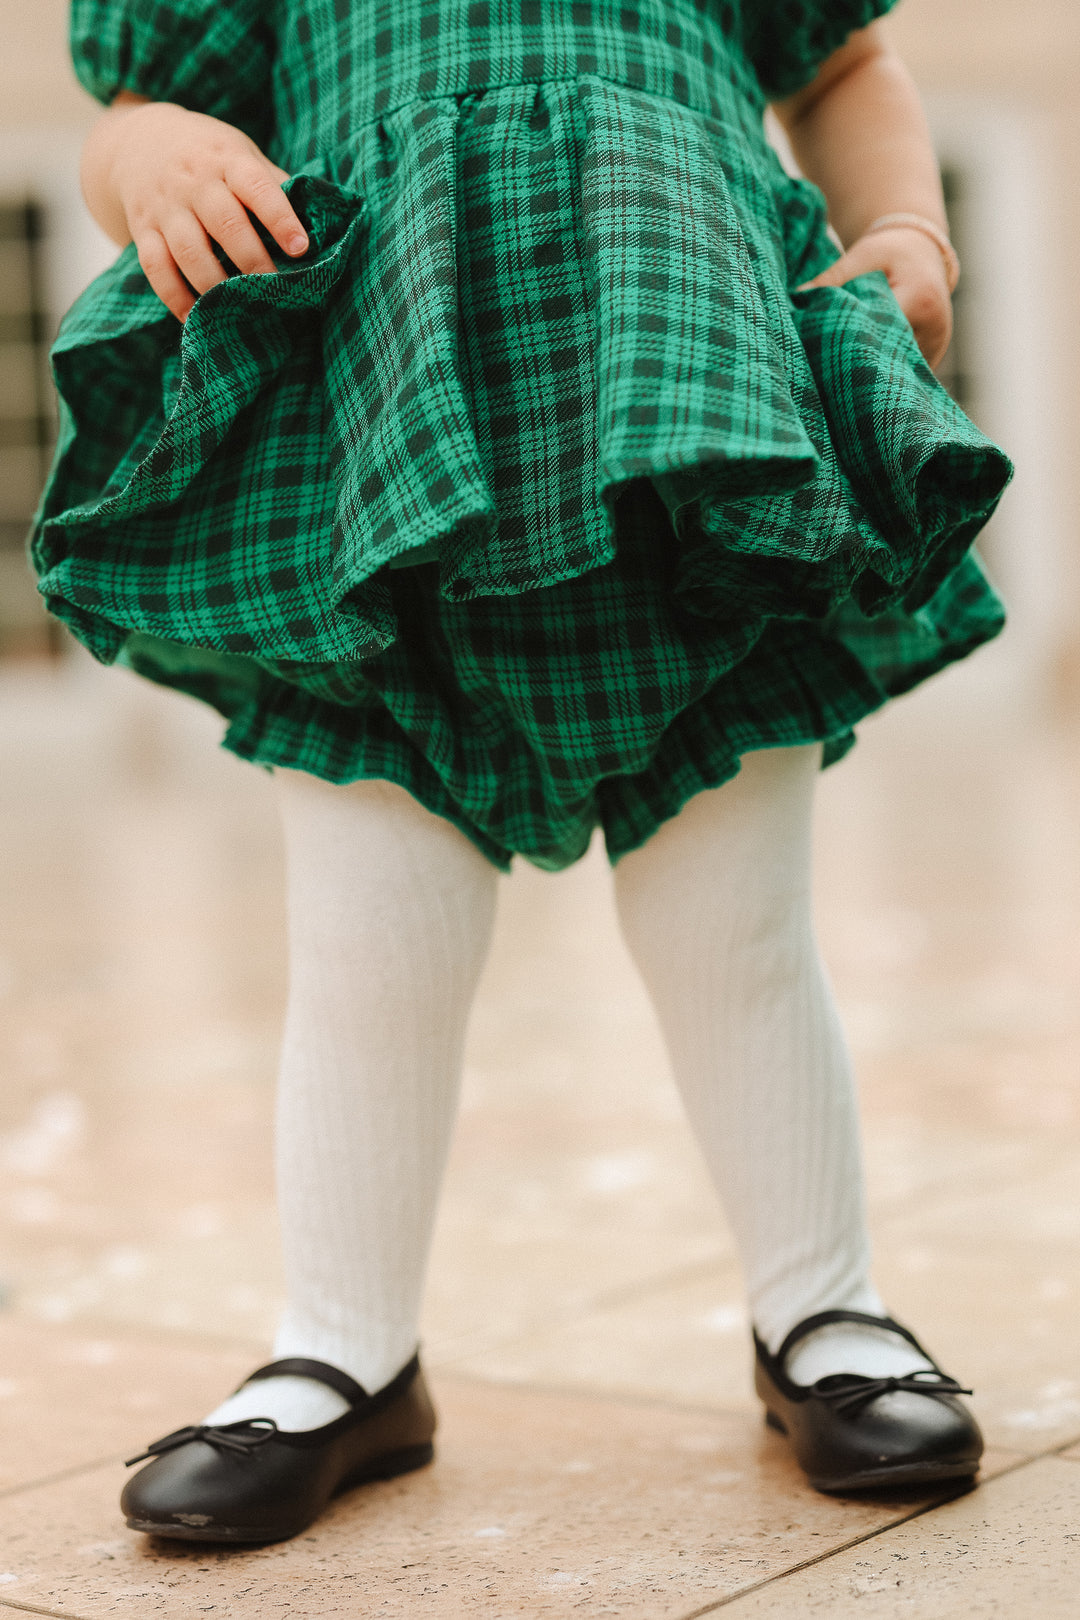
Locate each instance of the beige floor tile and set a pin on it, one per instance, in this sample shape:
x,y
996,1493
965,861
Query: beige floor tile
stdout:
x,y
127,1207
916,1147
122,1205
543,1217
991,1280
1042,1209
540,1504
70,1398
688,1342
1009,1549
534,1224
141,983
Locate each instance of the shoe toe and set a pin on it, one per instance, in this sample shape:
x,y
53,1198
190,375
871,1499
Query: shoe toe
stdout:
x,y
934,1429
251,1482
195,1493
855,1432
898,1439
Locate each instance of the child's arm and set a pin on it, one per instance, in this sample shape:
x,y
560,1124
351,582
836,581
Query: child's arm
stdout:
x,y
172,181
859,132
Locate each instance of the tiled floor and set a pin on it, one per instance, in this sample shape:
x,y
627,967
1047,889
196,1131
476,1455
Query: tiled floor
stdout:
x,y
601,1451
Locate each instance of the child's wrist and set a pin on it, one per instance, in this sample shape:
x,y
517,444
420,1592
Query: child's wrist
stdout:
x,y
98,176
117,147
927,228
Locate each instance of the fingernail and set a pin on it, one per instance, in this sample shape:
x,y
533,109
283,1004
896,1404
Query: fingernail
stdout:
x,y
298,242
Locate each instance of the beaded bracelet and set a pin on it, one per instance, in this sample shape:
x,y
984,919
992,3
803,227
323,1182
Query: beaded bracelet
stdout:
x,y
917,222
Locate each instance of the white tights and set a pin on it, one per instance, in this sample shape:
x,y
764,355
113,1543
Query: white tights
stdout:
x,y
390,915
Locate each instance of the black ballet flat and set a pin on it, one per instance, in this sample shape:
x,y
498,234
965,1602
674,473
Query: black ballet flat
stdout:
x,y
254,1482
854,1433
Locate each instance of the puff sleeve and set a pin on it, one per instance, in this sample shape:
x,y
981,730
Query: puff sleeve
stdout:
x,y
787,40
213,56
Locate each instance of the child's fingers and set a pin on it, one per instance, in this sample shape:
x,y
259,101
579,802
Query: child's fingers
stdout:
x,y
191,249
842,270
916,276
226,219
258,187
929,314
160,270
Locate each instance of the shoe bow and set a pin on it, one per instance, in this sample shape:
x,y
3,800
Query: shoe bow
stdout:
x,y
239,1438
851,1394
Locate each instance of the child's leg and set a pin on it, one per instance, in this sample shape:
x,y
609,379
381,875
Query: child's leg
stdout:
x,y
390,914
716,908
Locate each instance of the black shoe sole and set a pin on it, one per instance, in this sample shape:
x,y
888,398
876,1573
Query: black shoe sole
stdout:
x,y
897,1477
387,1467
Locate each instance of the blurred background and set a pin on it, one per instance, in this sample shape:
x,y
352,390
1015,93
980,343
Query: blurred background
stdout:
x,y
141,973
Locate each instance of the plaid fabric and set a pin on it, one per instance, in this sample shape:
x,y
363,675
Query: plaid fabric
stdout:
x,y
529,720
787,40
546,337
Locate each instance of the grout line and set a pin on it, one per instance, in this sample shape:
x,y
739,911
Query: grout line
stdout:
x,y
34,1608
55,1479
127,1331
856,1541
598,1396
665,1401
659,1282
905,1203
796,1569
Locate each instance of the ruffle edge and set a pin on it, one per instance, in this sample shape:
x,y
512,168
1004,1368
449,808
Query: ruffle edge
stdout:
x,y
255,473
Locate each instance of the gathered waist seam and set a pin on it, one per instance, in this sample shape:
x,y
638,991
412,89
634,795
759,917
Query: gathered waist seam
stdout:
x,y
416,98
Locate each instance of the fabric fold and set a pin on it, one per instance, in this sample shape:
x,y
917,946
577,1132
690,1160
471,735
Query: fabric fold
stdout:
x,y
488,341
538,484
180,477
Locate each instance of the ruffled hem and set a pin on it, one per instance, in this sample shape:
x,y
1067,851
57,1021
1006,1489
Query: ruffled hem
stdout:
x,y
491,338
479,763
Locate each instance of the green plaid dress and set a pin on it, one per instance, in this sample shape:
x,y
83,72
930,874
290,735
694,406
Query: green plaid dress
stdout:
x,y
537,487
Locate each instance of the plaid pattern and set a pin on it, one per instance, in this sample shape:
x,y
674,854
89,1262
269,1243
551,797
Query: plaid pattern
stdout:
x,y
787,40
544,336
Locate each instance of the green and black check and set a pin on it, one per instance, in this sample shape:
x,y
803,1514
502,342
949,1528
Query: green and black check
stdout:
x,y
537,486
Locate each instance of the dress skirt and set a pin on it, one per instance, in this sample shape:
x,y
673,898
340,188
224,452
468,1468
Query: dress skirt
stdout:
x,y
538,486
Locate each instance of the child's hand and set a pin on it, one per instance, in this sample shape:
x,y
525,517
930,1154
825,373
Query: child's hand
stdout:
x,y
173,181
917,276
